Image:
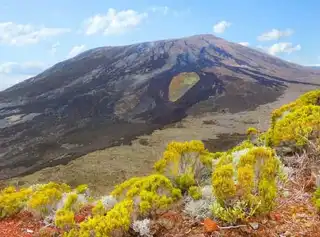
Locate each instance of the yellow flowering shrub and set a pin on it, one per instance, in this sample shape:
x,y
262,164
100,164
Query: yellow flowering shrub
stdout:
x,y
222,181
154,191
82,188
195,192
297,127
98,209
13,200
252,131
316,199
246,144
117,219
184,163
251,183
309,98
64,218
295,123
224,158
46,196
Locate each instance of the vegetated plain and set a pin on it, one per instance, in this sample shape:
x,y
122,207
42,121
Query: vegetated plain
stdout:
x,y
103,169
267,185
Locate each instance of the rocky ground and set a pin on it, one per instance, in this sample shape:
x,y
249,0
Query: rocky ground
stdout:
x,y
110,95
293,216
102,169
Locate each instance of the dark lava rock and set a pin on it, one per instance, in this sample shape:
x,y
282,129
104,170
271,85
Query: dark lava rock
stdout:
x,y
109,95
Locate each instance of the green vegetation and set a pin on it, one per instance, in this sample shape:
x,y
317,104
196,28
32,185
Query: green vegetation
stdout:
x,y
244,180
195,192
184,163
13,200
249,184
181,83
296,123
316,198
154,192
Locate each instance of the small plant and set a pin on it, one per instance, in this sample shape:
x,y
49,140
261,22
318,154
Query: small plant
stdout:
x,y
316,199
71,200
297,127
153,192
13,200
309,98
185,163
45,198
230,214
142,227
64,219
118,219
98,209
82,188
245,187
195,192
295,123
198,209
252,131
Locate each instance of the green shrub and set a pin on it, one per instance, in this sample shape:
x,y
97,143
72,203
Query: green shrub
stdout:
x,y
195,192
13,200
185,163
154,191
247,187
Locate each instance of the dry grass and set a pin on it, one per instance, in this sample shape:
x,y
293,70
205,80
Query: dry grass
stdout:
x,y
102,169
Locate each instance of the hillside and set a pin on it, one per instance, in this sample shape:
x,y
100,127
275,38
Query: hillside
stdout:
x,y
109,95
267,185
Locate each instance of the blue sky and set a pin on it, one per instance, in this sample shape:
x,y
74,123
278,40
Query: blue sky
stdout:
x,y
36,34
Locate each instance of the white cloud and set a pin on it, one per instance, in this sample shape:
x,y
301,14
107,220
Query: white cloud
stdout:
x,y
13,72
54,48
113,22
162,9
165,10
221,26
18,34
282,47
10,80
244,43
76,50
275,34
25,68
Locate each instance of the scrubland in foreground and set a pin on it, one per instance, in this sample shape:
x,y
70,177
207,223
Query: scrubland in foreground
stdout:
x,y
265,186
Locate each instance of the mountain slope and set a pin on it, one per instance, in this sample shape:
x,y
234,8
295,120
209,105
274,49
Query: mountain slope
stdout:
x,y
108,95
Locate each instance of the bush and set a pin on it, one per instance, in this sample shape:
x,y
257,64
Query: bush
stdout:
x,y
297,127
46,197
118,219
251,131
150,192
316,199
195,192
185,163
309,98
64,219
13,200
295,123
82,188
142,227
199,209
246,187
